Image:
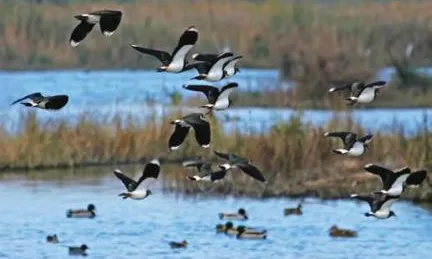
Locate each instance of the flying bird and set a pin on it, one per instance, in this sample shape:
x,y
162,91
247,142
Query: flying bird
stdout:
x,y
213,71
176,61
353,146
205,172
108,20
360,92
395,182
37,100
182,126
379,204
243,164
230,67
217,99
149,175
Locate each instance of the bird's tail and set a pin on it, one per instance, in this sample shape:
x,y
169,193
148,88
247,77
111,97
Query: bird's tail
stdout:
x,y
351,100
367,214
194,178
125,195
27,104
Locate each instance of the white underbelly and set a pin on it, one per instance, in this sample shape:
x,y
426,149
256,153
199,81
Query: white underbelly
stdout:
x,y
366,96
357,149
175,67
138,195
382,214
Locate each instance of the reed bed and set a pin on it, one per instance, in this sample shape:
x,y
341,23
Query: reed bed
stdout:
x,y
295,157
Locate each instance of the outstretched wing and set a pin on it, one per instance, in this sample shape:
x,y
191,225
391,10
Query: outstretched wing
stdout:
x,y
185,44
383,202
368,199
252,171
80,32
377,84
366,139
150,173
202,133
56,102
223,98
348,138
211,92
416,178
177,137
163,56
30,96
210,58
382,172
222,155
109,22
129,183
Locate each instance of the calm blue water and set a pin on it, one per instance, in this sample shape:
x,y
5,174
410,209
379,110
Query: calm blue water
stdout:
x,y
143,94
32,209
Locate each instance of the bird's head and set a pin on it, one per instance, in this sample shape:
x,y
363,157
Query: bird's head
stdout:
x,y
148,193
392,214
242,212
84,247
91,207
237,70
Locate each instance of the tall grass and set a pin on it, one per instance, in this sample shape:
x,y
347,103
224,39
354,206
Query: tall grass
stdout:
x,y
295,157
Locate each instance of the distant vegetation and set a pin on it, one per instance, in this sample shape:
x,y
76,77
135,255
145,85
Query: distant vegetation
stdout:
x,y
315,43
294,156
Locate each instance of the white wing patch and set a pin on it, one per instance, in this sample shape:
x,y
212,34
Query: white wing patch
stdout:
x,y
230,67
400,181
177,62
222,102
216,71
386,205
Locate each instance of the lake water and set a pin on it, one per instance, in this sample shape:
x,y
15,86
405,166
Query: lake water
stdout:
x,y
33,206
144,94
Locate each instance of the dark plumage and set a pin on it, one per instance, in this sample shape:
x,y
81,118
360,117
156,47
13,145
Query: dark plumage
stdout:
x,y
78,250
182,126
379,204
82,213
54,102
108,20
217,99
353,145
243,164
360,92
176,61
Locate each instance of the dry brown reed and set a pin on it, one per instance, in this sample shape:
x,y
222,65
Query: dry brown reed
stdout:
x,y
295,157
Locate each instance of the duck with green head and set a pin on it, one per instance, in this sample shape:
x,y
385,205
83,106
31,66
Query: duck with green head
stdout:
x,y
52,239
243,233
82,213
240,215
294,211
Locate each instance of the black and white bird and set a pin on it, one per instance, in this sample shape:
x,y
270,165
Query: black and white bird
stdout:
x,y
148,177
235,161
395,182
353,146
379,204
217,99
176,61
108,20
360,92
205,172
213,71
78,250
182,126
37,100
230,66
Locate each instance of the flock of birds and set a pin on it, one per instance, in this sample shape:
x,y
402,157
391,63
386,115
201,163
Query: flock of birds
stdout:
x,y
213,68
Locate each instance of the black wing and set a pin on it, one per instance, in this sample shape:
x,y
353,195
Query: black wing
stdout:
x,y
109,22
368,199
129,183
163,56
210,58
202,133
348,138
222,155
202,166
203,67
151,170
178,136
211,92
56,102
366,139
416,178
80,32
188,38
30,96
218,175
376,83
252,171
384,173
196,65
